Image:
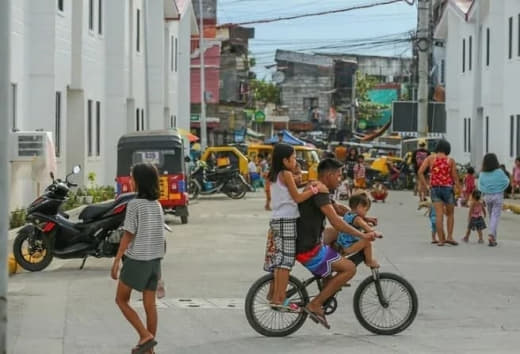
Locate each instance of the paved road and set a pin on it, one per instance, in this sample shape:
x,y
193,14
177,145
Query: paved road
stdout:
x,y
469,295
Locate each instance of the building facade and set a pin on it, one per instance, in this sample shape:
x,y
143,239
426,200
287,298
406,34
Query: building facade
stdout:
x,y
90,71
482,59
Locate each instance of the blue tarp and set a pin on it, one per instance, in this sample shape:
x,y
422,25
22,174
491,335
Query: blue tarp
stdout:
x,y
288,138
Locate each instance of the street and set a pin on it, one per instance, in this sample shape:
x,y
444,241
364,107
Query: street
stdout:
x,y
468,295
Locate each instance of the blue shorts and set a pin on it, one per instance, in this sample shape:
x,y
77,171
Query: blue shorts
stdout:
x,y
443,194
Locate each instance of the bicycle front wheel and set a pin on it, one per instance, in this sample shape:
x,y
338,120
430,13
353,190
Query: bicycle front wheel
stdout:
x,y
399,311
274,322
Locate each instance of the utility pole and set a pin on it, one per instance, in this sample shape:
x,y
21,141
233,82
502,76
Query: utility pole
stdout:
x,y
5,33
423,45
353,102
203,125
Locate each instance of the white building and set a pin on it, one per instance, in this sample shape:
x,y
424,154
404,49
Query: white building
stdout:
x,y
91,70
482,48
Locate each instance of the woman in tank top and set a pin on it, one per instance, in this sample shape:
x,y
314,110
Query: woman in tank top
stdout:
x,y
443,177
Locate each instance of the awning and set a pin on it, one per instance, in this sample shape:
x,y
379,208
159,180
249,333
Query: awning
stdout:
x,y
288,138
254,134
191,137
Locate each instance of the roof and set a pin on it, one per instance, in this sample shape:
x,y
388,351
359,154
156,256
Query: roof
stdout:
x,y
463,8
303,58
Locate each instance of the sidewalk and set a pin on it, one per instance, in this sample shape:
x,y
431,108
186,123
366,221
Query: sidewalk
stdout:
x,y
468,295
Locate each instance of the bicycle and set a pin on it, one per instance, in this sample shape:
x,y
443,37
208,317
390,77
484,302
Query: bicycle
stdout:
x,y
373,296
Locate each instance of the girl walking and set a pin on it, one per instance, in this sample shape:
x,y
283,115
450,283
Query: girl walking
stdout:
x,y
443,176
143,248
492,182
281,242
476,216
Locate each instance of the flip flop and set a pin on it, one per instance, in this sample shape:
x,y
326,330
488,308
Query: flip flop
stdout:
x,y
452,242
435,241
440,244
317,318
286,308
146,346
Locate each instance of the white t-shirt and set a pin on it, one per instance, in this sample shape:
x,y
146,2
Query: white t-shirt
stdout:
x,y
251,166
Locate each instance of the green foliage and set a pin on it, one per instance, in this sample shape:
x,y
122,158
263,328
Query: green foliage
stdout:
x,y
17,218
367,109
264,91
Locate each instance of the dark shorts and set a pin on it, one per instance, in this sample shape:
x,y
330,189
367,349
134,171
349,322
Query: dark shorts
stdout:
x,y
477,224
443,194
141,275
319,260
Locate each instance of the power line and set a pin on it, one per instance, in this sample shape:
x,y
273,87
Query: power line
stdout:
x,y
321,13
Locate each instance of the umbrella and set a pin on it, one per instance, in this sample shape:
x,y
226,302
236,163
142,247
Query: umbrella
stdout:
x,y
191,137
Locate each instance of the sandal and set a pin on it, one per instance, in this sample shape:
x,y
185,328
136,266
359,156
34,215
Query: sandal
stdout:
x,y
452,242
465,239
435,241
145,347
292,307
440,244
317,317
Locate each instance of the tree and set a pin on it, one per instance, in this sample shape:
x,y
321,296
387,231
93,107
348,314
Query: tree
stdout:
x,y
264,91
367,109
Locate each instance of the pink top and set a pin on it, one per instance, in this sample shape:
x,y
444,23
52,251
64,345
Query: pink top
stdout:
x,y
469,184
477,210
516,174
359,171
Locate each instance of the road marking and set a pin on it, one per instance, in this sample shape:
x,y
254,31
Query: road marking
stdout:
x,y
195,303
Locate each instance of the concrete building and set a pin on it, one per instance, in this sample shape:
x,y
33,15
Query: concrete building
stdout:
x,y
91,70
482,48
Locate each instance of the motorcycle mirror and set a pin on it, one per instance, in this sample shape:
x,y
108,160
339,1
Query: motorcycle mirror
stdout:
x,y
76,169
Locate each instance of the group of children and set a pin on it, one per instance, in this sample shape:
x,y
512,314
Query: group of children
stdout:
x,y
281,241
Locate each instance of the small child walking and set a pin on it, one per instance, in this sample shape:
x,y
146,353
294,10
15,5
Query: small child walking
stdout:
x,y
476,215
469,184
360,173
281,241
348,244
516,178
143,245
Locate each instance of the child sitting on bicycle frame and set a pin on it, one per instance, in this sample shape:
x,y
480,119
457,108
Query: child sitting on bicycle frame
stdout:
x,y
348,244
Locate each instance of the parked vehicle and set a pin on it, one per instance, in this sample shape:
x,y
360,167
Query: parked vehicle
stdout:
x,y
49,233
223,156
164,149
228,180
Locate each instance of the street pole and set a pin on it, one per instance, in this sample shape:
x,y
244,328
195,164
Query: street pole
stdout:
x,y
353,103
203,126
5,33
423,45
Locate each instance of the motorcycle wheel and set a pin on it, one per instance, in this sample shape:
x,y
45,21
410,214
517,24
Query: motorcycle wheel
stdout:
x,y
193,190
240,192
37,253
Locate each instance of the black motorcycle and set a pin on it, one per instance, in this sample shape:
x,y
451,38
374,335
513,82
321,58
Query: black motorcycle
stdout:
x,y
227,180
50,234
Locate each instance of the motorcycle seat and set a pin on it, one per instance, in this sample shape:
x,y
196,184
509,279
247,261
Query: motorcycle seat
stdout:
x,y
93,211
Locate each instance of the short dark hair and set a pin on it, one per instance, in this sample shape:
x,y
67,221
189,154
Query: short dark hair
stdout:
x,y
476,194
471,170
443,146
490,162
146,179
359,199
280,152
329,164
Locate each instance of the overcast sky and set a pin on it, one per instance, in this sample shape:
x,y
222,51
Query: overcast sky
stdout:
x,y
348,32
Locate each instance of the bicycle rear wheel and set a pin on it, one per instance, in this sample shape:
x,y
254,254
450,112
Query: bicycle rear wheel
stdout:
x,y
401,309
268,321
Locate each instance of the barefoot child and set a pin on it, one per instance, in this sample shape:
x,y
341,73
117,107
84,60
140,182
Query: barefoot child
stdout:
x,y
143,245
348,244
281,243
469,185
476,216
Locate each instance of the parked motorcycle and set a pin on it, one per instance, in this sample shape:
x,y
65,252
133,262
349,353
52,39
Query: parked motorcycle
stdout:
x,y
227,180
50,234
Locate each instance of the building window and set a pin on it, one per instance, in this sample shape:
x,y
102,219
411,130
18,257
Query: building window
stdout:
x,y
89,127
467,134
487,134
443,70
518,35
142,119
14,100
470,52
137,120
512,136
310,103
464,55
488,37
61,5
98,128
138,31
176,54
57,128
100,16
171,53
91,15
518,135
510,37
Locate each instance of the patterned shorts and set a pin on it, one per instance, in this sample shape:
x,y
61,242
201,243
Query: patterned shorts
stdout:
x,y
281,244
319,260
